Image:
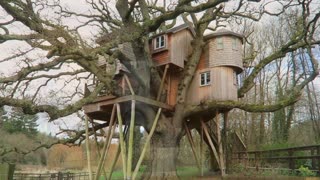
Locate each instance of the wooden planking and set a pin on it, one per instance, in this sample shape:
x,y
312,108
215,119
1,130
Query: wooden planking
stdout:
x,y
180,47
100,106
104,98
173,88
152,102
161,58
222,86
204,59
91,108
226,56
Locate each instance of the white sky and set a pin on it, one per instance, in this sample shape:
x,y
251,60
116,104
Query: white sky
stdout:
x,y
10,48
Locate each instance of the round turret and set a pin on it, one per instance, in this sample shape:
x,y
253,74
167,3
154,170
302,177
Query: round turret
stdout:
x,y
225,49
216,76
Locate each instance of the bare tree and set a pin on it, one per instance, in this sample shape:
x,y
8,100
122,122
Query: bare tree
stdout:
x,y
67,58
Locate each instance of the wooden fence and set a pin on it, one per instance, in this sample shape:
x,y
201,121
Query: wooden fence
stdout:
x,y
51,176
288,156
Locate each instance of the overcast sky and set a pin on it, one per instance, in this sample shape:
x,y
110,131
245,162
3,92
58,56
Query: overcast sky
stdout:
x,y
12,47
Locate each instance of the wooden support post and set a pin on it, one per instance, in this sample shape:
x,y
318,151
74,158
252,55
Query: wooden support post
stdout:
x,y
214,150
153,128
291,160
108,141
226,150
313,161
256,160
130,145
129,84
122,142
162,82
97,145
318,159
201,151
239,157
88,147
123,86
221,156
115,160
189,135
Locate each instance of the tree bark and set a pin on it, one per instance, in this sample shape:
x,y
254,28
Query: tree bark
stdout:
x,y
164,150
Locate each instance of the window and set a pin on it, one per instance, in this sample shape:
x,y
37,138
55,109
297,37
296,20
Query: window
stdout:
x,y
205,79
219,43
159,42
235,78
235,44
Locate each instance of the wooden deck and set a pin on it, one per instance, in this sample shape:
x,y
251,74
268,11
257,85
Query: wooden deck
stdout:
x,y
101,108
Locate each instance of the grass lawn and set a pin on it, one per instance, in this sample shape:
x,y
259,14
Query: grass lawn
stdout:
x,y
181,171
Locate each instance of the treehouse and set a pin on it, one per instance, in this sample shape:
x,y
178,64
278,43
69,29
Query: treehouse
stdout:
x,y
172,47
215,77
170,50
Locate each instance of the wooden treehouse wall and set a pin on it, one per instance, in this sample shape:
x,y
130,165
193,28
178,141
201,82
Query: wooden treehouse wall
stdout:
x,y
181,47
222,65
228,56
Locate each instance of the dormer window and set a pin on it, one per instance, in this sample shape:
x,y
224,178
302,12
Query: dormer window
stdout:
x,y
159,42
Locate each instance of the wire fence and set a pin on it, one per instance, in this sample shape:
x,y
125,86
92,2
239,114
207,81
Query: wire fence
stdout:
x,y
51,176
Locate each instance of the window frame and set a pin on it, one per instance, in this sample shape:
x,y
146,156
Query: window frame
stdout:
x,y
219,43
156,42
235,44
207,78
235,78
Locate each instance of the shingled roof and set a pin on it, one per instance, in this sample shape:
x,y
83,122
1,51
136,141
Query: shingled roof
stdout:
x,y
223,32
177,29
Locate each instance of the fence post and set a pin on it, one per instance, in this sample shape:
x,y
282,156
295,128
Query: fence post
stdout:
x,y
318,159
291,160
60,176
313,160
256,160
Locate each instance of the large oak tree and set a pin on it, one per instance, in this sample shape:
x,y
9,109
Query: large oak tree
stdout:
x,y
51,47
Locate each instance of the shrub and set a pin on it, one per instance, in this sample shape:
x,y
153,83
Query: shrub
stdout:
x,y
305,171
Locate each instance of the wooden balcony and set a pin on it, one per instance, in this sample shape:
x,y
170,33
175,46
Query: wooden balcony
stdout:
x,y
101,108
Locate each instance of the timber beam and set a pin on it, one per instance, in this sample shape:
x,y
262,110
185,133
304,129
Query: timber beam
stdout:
x,y
101,108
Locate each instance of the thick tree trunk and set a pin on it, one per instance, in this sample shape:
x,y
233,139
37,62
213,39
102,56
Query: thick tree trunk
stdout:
x,y
164,148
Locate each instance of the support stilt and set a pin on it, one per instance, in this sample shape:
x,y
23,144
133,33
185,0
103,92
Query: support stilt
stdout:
x,y
146,144
97,145
221,156
201,151
115,160
162,82
123,86
226,150
129,84
189,135
122,142
107,143
88,147
214,150
130,145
